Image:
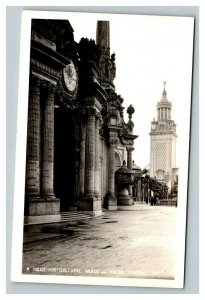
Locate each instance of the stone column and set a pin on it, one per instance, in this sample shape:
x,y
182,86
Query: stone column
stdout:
x,y
82,157
129,157
45,208
48,143
129,165
90,155
97,156
101,179
112,200
139,189
89,203
161,112
32,187
143,199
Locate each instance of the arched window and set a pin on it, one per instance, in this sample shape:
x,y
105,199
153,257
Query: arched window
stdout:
x,y
118,161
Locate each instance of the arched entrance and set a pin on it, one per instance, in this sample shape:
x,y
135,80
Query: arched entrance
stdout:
x,y
118,161
64,158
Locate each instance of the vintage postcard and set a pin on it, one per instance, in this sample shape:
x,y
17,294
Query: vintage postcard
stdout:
x,y
102,149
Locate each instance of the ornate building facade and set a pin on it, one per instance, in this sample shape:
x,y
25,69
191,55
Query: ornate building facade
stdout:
x,y
77,137
163,144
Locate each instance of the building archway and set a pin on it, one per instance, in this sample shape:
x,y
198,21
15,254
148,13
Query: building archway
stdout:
x,y
118,161
64,158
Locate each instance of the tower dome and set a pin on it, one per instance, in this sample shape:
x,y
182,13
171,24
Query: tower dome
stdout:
x,y
164,107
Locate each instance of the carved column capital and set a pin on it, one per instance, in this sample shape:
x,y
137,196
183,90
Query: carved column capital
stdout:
x,y
113,141
88,114
130,149
51,89
98,116
35,84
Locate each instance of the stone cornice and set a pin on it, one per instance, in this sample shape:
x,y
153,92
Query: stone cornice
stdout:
x,y
156,133
44,70
48,56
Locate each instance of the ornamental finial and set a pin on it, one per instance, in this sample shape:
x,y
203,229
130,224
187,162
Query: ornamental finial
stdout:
x,y
164,83
164,93
130,111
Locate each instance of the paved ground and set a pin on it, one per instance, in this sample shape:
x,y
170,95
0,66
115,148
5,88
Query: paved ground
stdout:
x,y
139,243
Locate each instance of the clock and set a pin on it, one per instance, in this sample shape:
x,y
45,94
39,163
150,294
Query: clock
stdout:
x,y
70,77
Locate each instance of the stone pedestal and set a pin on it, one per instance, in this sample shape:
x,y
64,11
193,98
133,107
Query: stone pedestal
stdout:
x,y
42,211
90,205
124,198
124,179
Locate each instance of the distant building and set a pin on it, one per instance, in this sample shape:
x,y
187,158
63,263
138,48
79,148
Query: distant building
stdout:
x,y
77,137
163,143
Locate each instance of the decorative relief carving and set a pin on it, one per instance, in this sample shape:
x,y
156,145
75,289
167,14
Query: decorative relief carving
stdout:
x,y
91,118
45,68
89,113
113,67
88,101
125,141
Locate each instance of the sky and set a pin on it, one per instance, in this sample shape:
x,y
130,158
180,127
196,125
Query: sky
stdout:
x,y
149,50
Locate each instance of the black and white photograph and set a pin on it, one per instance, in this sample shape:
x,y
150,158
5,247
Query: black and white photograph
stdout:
x,y
102,149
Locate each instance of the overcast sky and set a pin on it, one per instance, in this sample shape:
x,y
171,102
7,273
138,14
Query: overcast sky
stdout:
x,y
149,50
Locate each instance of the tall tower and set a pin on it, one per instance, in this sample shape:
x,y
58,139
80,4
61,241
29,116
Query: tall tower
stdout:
x,y
163,143
107,63
103,34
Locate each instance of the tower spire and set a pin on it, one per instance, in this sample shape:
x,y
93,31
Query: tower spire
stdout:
x,y
103,34
164,84
164,93
163,142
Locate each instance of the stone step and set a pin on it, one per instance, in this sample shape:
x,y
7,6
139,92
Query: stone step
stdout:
x,y
73,216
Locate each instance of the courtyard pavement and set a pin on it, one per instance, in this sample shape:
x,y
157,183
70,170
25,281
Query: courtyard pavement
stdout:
x,y
137,242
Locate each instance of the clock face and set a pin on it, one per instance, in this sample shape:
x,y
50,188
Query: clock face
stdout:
x,y
70,77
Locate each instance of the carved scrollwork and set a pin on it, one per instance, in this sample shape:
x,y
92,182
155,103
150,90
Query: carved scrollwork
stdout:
x,y
113,67
89,114
126,141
